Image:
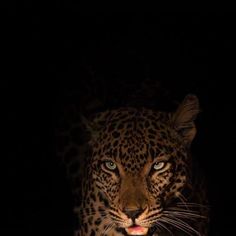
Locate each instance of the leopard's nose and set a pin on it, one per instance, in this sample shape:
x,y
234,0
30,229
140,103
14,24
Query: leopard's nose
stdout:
x,y
133,214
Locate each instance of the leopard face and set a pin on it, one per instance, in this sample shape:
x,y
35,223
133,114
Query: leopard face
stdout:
x,y
137,172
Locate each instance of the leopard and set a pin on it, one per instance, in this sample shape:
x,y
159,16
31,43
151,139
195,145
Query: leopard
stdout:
x,y
137,176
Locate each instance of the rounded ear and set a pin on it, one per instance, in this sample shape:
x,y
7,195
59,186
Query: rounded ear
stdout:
x,y
184,116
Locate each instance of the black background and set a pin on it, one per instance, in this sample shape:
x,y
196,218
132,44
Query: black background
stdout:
x,y
42,56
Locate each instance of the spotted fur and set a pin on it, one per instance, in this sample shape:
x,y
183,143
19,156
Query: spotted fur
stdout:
x,y
138,171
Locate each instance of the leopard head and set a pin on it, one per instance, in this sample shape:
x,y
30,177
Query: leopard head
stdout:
x,y
139,165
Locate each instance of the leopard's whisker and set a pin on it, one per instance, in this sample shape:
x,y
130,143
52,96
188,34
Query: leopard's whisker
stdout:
x,y
165,227
178,223
182,199
192,204
108,227
184,214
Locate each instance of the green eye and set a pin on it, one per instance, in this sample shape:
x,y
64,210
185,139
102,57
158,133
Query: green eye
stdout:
x,y
110,165
159,165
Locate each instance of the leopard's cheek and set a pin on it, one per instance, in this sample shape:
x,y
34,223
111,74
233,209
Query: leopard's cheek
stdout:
x,y
107,184
158,184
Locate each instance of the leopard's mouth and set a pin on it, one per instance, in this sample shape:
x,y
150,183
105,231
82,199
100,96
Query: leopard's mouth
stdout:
x,y
136,230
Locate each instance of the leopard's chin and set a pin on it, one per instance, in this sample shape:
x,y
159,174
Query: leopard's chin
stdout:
x,y
136,230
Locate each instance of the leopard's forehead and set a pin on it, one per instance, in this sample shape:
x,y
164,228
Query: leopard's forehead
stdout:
x,y
133,136
124,119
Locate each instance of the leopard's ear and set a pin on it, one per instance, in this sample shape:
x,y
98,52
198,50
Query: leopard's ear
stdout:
x,y
183,118
94,124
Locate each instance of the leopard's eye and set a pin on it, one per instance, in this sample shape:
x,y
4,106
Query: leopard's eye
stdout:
x,y
159,165
110,165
